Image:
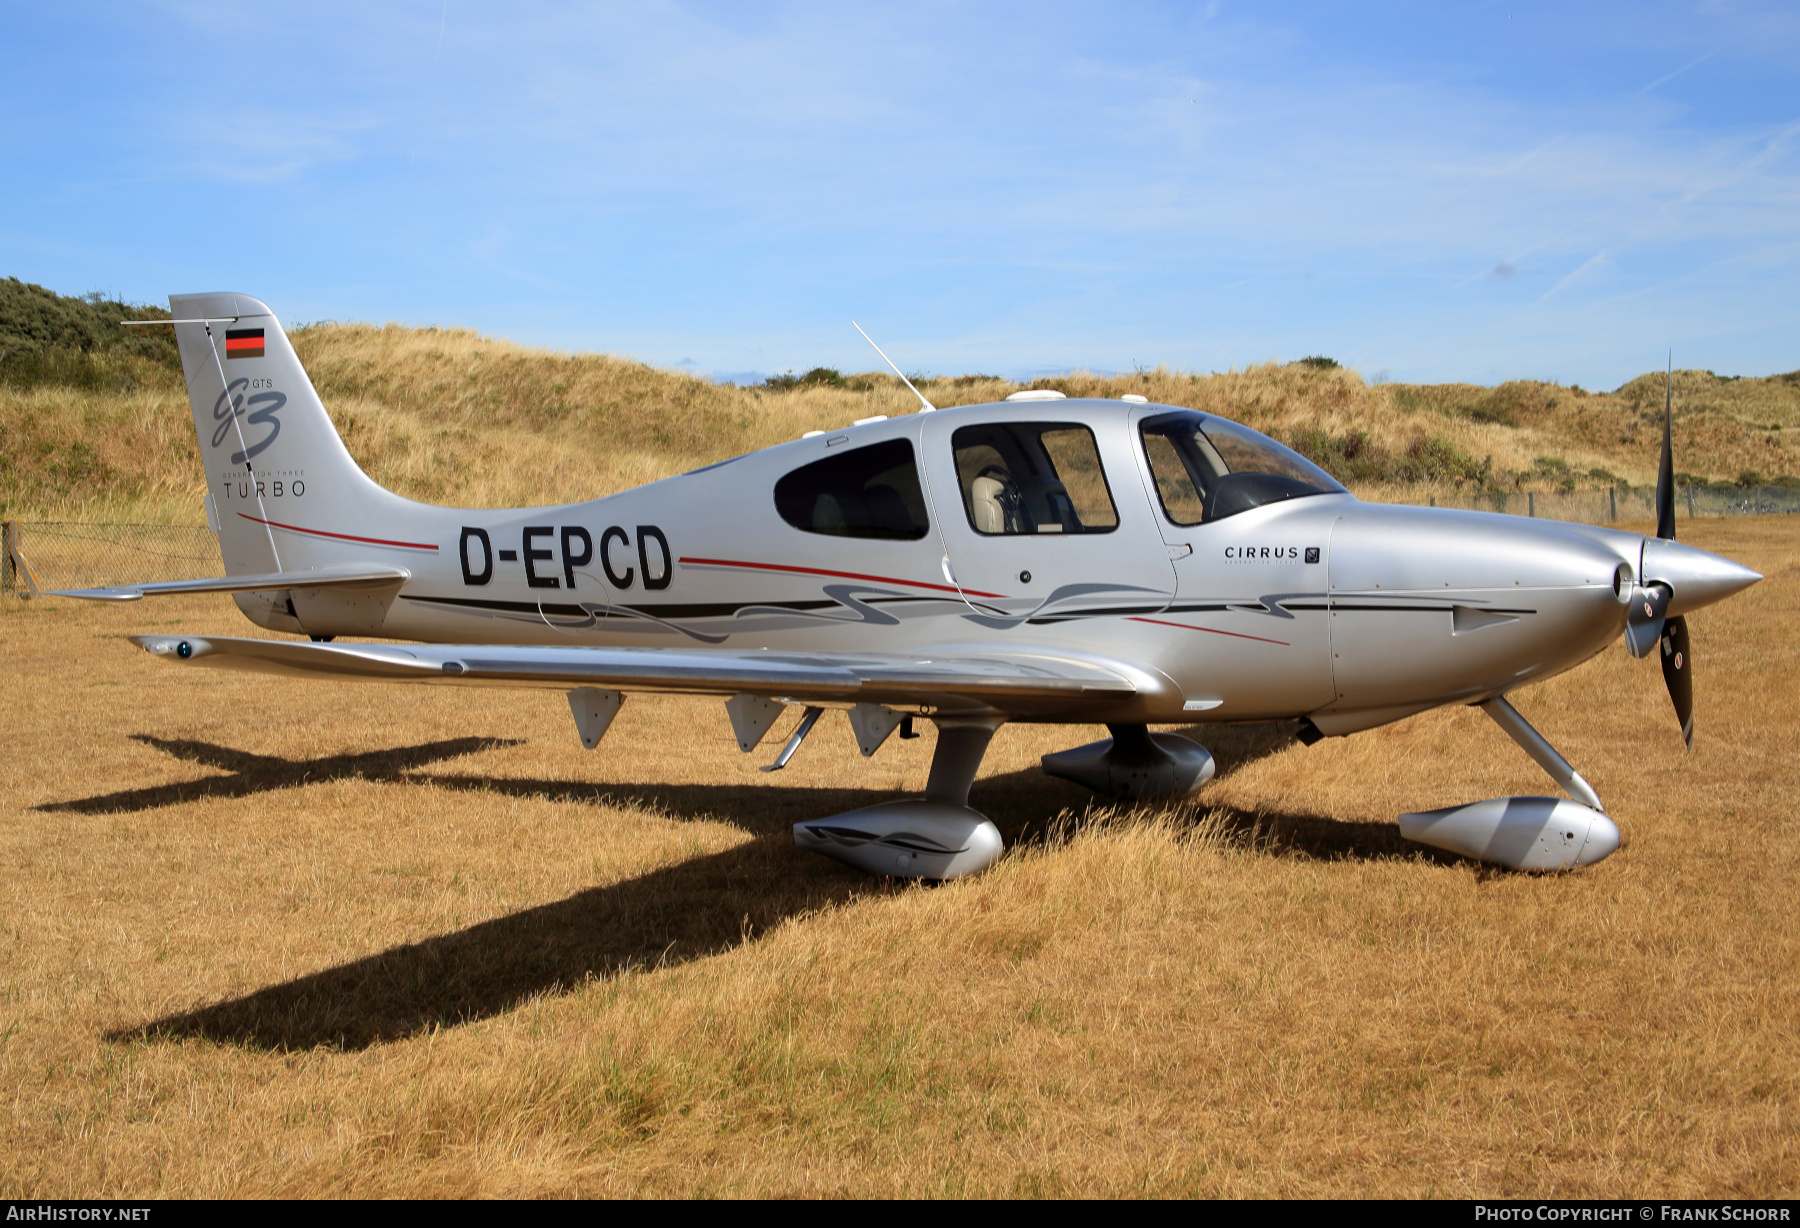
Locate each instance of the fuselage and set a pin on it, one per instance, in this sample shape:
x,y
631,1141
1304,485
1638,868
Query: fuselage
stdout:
x,y
1043,525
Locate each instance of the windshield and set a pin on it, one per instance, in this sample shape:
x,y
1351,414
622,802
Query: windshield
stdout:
x,y
1209,468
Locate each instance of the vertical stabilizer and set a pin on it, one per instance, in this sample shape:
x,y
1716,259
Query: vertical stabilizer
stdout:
x,y
287,494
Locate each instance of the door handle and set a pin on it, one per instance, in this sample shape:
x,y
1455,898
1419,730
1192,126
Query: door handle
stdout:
x,y
1180,552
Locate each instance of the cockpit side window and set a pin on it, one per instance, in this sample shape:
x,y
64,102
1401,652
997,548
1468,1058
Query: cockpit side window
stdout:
x,y
1175,486
1209,468
1029,478
869,492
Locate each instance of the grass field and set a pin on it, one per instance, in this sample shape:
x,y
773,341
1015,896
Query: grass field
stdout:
x,y
260,937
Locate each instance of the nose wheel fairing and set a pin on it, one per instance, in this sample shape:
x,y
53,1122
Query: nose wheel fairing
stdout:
x,y
1521,833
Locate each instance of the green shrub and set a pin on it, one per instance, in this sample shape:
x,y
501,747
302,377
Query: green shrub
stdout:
x,y
818,377
1436,459
49,338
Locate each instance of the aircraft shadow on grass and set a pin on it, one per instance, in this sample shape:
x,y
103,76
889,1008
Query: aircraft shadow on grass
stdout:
x,y
250,774
699,907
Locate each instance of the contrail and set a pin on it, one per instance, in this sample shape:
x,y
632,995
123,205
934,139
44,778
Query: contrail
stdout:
x,y
1671,76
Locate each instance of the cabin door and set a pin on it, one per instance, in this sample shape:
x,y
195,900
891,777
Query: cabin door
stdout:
x,y
1042,516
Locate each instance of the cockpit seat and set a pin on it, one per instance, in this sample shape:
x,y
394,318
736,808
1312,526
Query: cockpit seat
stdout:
x,y
994,502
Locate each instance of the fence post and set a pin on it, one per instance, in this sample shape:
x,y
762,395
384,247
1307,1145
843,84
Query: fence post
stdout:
x,y
1612,500
1531,503
8,569
23,582
1690,495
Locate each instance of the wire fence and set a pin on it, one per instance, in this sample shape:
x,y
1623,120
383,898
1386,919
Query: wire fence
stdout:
x,y
49,554
1609,506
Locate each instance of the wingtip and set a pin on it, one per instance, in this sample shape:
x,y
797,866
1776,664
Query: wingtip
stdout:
x,y
183,646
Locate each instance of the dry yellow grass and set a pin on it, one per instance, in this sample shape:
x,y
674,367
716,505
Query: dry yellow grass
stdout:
x,y
270,938
451,417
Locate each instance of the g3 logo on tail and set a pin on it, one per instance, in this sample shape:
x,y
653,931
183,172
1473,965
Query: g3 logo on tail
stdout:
x,y
270,403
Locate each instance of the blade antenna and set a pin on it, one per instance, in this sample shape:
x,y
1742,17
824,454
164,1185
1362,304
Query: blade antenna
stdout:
x,y
1665,474
927,406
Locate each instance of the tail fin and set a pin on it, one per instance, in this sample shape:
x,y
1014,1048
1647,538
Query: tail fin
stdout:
x,y
286,493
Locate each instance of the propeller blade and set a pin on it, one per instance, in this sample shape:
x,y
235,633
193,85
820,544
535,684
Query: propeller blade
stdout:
x,y
1644,622
1665,473
1678,674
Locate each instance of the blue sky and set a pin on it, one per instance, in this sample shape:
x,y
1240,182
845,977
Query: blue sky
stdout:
x,y
1430,192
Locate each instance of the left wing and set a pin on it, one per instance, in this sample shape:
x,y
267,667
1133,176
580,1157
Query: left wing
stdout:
x,y
1013,682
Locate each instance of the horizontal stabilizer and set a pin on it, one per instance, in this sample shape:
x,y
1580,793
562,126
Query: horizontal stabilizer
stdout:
x,y
1002,680
349,575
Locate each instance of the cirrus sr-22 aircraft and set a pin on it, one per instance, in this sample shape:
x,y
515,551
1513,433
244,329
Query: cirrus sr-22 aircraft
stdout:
x,y
1044,559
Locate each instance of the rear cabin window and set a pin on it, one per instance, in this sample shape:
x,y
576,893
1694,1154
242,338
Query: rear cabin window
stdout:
x,y
1031,478
865,492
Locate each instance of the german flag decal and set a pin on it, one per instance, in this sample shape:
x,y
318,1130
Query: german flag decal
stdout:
x,y
243,343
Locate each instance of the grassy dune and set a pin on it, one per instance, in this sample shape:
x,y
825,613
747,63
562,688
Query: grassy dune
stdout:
x,y
452,417
328,939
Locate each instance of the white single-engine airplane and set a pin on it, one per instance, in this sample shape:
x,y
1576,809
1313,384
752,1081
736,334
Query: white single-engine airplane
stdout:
x,y
1043,560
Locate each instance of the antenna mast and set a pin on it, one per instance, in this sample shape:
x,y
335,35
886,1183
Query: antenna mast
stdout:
x,y
927,406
